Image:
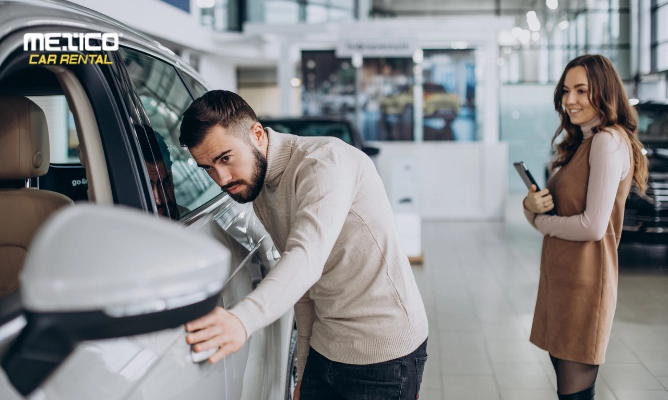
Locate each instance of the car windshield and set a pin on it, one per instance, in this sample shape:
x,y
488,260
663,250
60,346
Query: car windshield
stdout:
x,y
653,122
340,130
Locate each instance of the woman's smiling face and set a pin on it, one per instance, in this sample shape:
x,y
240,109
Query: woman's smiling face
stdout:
x,y
576,97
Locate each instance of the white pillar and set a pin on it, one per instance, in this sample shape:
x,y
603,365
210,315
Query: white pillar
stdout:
x,y
633,38
363,10
644,36
286,71
418,117
491,92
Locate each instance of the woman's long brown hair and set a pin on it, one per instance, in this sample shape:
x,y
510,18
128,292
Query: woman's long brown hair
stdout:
x,y
607,95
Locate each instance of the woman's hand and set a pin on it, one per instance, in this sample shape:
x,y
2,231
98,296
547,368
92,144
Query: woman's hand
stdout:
x,y
295,396
538,202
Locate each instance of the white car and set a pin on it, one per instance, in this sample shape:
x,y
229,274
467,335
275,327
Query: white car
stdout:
x,y
92,303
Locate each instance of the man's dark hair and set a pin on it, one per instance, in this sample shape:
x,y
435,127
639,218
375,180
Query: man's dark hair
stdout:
x,y
217,107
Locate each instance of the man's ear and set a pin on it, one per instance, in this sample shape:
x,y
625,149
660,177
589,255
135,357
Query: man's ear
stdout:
x,y
258,134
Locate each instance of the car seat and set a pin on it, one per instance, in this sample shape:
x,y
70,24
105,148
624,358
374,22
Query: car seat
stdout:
x,y
24,154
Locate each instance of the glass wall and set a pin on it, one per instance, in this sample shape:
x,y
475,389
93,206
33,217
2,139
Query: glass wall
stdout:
x,y
379,95
223,15
660,35
532,58
229,15
540,46
300,11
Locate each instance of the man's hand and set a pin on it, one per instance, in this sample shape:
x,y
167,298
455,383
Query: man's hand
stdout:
x,y
295,396
538,202
218,329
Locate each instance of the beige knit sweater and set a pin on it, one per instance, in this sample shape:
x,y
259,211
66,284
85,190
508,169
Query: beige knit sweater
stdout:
x,y
343,267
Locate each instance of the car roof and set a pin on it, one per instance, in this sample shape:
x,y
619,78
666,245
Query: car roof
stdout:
x,y
652,105
22,14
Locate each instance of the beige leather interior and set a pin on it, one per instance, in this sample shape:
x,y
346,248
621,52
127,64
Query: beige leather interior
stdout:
x,y
91,151
24,154
24,139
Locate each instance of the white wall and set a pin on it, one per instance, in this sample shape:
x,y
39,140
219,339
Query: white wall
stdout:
x,y
219,52
265,101
218,72
465,181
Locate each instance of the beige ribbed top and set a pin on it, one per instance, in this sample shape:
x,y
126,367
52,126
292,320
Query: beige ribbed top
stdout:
x,y
342,264
609,162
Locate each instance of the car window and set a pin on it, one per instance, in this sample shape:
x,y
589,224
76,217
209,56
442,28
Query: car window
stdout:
x,y
63,140
165,98
653,123
432,88
197,87
313,128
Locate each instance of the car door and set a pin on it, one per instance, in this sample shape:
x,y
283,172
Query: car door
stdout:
x,y
186,193
111,368
271,371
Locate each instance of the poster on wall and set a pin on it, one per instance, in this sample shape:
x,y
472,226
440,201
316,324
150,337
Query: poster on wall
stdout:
x,y
385,96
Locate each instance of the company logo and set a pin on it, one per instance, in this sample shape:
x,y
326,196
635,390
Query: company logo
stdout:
x,y
79,182
62,43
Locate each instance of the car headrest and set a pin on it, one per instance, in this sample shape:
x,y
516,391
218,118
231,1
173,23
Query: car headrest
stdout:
x,y
24,139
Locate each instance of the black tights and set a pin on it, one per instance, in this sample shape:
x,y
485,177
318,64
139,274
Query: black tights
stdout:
x,y
575,381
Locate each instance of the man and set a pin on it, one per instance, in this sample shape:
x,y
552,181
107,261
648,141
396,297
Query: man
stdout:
x,y
159,173
360,318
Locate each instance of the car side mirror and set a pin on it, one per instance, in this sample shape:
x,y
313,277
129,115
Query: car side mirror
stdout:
x,y
97,272
371,151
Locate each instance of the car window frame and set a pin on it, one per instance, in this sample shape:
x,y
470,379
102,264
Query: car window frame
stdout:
x,y
192,215
103,94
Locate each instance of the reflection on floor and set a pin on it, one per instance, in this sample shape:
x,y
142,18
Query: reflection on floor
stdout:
x,y
479,284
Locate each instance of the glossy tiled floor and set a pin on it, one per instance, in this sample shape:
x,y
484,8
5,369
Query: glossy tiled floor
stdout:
x,y
479,284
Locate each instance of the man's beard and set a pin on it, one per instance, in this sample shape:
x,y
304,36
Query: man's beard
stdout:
x,y
254,187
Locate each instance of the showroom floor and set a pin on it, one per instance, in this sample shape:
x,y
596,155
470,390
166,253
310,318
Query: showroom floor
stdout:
x,y
479,284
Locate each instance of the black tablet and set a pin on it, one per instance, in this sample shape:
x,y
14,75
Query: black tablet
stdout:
x,y
528,180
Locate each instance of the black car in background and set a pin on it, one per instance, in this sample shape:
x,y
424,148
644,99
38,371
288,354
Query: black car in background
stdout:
x,y
320,126
646,216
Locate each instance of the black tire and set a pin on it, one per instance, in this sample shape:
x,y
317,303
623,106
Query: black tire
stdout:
x,y
291,376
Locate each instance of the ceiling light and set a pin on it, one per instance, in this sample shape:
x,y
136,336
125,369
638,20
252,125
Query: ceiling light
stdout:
x,y
525,36
634,102
516,31
552,4
357,60
418,56
459,45
532,20
295,82
535,36
563,25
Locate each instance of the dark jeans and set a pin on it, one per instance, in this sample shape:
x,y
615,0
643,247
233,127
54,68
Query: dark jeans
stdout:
x,y
397,379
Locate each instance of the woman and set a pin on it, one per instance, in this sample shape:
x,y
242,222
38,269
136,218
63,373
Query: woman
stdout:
x,y
599,158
